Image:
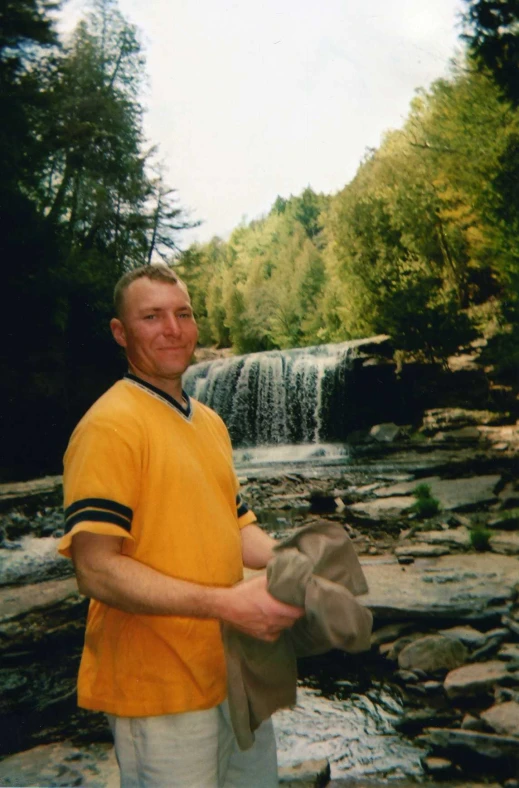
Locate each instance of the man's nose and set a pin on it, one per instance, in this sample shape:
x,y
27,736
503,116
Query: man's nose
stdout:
x,y
172,325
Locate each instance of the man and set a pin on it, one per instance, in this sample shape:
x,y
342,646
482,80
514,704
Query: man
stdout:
x,y
159,536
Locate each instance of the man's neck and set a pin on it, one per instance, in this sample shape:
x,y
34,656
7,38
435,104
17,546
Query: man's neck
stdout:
x,y
172,388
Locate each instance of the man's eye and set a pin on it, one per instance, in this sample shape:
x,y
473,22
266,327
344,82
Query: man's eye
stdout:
x,y
185,314
150,317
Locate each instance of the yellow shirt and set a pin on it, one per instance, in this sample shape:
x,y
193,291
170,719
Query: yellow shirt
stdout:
x,y
139,465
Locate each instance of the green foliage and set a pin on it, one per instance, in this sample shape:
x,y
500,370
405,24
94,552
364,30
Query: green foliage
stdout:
x,y
426,505
491,29
480,537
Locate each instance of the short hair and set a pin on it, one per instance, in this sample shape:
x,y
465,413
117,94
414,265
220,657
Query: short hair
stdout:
x,y
157,273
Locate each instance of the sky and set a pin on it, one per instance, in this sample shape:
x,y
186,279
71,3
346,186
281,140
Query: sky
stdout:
x,y
250,100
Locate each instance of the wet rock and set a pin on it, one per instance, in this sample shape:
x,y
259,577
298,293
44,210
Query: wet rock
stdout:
x,y
473,743
463,494
503,718
433,653
476,679
308,774
460,588
36,560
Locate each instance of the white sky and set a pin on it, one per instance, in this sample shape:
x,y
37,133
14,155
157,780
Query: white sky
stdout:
x,y
249,100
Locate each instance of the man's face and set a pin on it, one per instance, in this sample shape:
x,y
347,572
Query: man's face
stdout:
x,y
157,330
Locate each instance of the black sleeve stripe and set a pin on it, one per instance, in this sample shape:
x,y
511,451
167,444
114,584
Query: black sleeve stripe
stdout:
x,y
241,507
96,516
101,503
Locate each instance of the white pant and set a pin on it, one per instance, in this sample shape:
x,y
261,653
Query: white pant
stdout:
x,y
196,749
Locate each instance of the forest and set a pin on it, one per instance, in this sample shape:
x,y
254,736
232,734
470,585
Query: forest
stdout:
x,y
422,244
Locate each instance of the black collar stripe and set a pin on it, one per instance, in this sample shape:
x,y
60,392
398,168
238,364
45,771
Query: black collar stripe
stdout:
x,y
186,412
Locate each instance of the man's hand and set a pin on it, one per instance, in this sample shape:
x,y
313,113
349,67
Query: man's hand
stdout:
x,y
250,608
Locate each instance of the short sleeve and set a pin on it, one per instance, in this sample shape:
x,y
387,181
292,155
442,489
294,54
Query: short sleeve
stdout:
x,y
101,481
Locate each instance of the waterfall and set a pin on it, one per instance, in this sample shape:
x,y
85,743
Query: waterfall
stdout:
x,y
278,396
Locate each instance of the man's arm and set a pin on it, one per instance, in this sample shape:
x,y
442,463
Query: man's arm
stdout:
x,y
105,573
256,547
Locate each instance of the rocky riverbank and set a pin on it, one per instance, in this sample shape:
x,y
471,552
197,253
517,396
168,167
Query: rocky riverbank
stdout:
x,y
444,590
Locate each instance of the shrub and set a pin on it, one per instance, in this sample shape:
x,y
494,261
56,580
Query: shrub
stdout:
x,y
426,505
480,538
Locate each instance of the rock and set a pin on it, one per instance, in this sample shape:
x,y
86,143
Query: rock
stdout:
x,y
488,745
385,433
460,588
385,507
62,764
464,435
433,653
471,723
454,537
454,418
389,632
417,550
453,494
467,635
503,718
508,652
473,680
45,490
508,519
505,543
439,767
308,774
36,560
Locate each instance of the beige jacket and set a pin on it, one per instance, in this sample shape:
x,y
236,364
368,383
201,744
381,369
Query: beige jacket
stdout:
x,y
315,568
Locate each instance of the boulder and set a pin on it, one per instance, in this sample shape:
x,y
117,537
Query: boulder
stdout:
x,y
464,435
433,653
476,679
503,718
418,550
385,433
508,519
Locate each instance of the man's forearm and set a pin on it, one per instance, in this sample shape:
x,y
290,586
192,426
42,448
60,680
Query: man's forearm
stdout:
x,y
117,580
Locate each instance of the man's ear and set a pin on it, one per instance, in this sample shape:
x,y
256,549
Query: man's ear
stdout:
x,y
118,331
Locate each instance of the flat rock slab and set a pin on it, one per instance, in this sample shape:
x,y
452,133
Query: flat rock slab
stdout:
x,y
392,506
13,493
490,745
476,679
505,543
453,494
62,765
462,587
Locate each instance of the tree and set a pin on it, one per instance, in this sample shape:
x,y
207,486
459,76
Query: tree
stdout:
x,y
491,30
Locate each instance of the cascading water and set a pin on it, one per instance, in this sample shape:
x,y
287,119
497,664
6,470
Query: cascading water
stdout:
x,y
279,396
